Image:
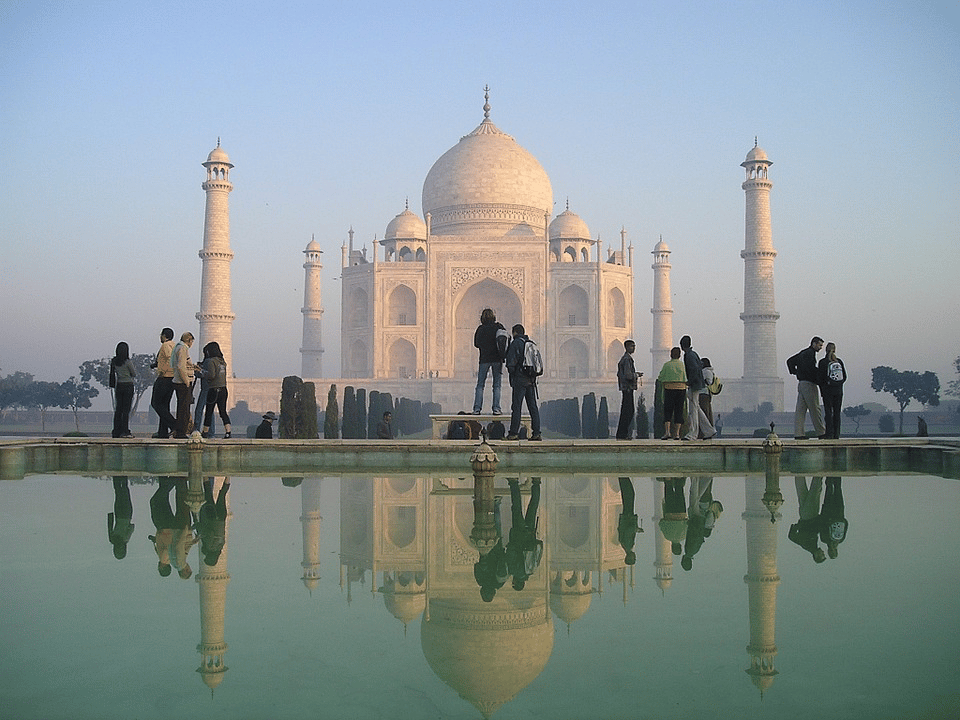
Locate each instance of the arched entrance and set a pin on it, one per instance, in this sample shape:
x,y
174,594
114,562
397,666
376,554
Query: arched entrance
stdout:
x,y
485,294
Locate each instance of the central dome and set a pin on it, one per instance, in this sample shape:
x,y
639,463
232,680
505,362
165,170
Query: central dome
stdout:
x,y
487,184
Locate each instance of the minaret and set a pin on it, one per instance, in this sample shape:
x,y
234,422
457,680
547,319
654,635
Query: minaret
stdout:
x,y
762,580
662,310
311,361
760,380
663,564
213,582
311,521
215,316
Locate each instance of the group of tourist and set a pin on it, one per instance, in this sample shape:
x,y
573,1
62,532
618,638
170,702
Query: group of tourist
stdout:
x,y
524,364
815,380
690,382
176,376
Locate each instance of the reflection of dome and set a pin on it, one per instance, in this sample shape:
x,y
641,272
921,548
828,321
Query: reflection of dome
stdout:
x,y
569,226
487,652
404,606
487,183
570,607
406,226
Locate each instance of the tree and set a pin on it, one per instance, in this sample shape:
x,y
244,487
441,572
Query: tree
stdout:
x,y
42,394
953,387
907,385
331,421
350,420
856,413
77,395
885,424
588,414
603,419
99,371
14,390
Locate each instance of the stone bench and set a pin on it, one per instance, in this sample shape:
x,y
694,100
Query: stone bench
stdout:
x,y
441,421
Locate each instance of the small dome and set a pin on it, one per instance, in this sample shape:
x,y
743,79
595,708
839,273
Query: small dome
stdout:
x,y
569,226
661,247
313,246
217,155
406,226
756,154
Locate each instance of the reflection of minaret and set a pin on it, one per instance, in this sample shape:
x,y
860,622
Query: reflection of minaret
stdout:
x,y
663,564
213,581
760,380
762,580
662,310
311,362
311,520
215,316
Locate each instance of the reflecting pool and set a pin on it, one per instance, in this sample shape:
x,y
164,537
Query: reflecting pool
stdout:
x,y
411,596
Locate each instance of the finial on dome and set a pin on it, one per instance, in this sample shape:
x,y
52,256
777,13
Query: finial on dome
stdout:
x,y
218,141
406,203
568,202
755,140
486,102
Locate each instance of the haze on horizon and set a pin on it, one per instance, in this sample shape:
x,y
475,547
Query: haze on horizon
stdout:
x,y
640,115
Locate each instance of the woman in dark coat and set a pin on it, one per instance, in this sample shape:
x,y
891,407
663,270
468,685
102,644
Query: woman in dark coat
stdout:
x,y
831,375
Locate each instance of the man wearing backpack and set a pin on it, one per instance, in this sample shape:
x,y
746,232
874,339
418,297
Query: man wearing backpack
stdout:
x,y
522,365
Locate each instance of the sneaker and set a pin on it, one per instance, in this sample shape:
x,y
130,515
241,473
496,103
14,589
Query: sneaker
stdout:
x,y
512,436
226,436
536,438
497,412
666,437
476,412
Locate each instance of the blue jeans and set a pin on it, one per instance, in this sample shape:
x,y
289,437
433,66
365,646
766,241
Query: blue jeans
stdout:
x,y
497,368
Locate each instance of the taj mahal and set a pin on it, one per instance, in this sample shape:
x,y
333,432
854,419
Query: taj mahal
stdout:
x,y
486,239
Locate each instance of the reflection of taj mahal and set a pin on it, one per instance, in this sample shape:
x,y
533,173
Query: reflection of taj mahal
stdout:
x,y
486,239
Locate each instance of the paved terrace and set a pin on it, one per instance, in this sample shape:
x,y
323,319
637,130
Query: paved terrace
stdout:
x,y
238,457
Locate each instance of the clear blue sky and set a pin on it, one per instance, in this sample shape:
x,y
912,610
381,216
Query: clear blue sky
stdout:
x,y
333,113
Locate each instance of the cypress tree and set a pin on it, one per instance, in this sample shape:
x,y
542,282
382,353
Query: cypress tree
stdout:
x,y
603,419
642,420
331,423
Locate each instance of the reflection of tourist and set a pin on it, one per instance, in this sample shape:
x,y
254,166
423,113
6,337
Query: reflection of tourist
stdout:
x,y
164,522
120,521
122,376
212,522
524,550
163,385
673,523
833,528
490,571
183,537
806,531
703,512
265,428
628,524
